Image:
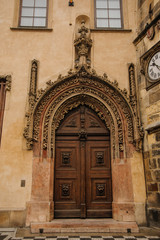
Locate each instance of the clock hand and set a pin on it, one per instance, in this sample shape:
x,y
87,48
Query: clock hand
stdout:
x,y
156,66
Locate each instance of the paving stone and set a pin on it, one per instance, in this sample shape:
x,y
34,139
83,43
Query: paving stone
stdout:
x,y
3,237
98,237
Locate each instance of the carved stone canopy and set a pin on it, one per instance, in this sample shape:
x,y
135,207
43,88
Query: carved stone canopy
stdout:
x,y
77,88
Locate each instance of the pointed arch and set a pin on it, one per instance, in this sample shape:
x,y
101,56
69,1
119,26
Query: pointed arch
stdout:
x,y
89,84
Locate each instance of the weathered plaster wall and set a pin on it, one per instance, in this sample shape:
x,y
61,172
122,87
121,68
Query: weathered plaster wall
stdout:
x,y
111,53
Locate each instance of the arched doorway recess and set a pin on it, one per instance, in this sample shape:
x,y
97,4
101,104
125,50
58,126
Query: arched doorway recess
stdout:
x,y
112,106
82,166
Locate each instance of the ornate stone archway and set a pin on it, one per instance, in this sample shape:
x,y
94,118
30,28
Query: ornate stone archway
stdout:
x,y
113,106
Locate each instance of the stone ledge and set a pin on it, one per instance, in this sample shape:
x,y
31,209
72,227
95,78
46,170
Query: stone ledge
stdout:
x,y
84,226
31,29
153,127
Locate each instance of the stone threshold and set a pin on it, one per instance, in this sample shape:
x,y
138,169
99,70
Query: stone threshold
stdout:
x,y
84,226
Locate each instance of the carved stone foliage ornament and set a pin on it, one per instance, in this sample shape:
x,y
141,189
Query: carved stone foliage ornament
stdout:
x,y
150,63
78,88
133,101
32,101
7,80
33,83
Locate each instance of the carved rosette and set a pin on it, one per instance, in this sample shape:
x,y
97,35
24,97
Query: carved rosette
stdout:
x,y
79,88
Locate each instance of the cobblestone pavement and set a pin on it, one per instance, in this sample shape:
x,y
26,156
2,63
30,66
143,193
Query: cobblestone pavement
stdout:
x,y
10,234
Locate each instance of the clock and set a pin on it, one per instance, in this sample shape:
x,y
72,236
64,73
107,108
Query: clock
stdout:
x,y
154,67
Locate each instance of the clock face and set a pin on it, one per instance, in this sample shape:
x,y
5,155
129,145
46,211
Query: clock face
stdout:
x,y
154,67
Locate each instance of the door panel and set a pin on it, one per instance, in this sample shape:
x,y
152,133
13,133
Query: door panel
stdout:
x,y
82,167
67,179
98,179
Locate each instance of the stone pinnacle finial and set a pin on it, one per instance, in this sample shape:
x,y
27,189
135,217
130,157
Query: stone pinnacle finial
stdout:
x,y
83,45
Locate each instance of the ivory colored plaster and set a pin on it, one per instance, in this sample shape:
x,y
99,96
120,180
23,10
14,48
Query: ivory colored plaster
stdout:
x,y
54,50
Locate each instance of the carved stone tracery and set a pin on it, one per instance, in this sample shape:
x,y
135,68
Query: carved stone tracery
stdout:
x,y
81,83
79,87
133,100
32,101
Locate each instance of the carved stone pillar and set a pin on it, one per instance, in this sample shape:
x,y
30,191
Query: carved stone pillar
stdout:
x,y
33,83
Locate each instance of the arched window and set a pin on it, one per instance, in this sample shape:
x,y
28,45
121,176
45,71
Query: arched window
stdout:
x,y
108,13
33,13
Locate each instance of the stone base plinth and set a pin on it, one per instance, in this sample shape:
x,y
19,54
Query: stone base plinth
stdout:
x,y
124,212
12,218
84,226
39,212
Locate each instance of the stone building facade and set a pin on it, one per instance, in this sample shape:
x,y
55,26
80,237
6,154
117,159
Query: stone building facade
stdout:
x,y
147,46
79,119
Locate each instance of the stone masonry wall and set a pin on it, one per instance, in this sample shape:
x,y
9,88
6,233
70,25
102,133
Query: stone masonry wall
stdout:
x,y
152,166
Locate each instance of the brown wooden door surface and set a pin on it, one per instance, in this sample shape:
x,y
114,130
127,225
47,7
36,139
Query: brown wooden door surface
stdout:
x,y
82,167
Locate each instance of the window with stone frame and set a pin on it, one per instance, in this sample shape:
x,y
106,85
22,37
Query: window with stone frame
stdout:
x,y
2,102
108,13
33,13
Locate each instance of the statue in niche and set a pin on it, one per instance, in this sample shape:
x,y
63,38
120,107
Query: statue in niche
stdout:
x,y
83,45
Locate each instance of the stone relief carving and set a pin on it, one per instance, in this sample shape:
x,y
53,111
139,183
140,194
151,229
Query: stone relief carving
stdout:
x,y
32,100
8,81
83,45
33,84
158,24
133,101
81,86
82,82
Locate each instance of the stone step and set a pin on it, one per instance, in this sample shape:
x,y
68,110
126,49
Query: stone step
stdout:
x,y
84,225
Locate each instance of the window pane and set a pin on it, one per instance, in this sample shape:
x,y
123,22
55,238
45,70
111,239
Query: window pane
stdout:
x,y
102,23
28,3
41,3
40,12
114,4
26,21
39,22
101,4
102,13
114,14
115,23
27,12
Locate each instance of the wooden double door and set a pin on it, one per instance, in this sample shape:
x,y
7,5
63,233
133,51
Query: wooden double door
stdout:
x,y
82,167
